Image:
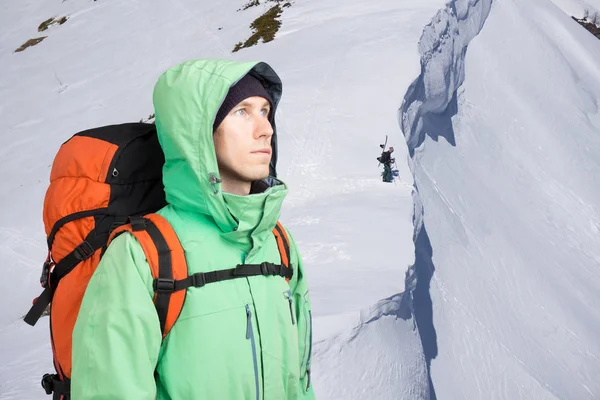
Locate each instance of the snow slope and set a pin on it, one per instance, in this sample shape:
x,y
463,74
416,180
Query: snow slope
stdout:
x,y
507,214
501,299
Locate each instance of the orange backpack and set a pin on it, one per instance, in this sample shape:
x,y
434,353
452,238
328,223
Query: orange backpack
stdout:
x,y
106,181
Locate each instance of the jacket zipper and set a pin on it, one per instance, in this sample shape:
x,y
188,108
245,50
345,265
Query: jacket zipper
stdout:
x,y
250,335
306,334
288,295
309,351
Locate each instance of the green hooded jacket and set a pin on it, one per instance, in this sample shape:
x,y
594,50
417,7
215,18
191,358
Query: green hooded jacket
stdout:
x,y
247,338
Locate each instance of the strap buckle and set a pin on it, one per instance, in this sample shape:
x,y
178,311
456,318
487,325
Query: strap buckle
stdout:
x,y
45,276
198,279
84,251
264,268
164,285
267,268
48,383
283,271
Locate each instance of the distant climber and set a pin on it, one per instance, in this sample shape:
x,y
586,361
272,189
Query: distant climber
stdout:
x,y
386,159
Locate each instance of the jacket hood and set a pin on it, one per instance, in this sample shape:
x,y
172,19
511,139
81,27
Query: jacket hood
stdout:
x,y
186,100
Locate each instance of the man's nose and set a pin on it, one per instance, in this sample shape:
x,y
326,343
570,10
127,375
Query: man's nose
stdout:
x,y
264,128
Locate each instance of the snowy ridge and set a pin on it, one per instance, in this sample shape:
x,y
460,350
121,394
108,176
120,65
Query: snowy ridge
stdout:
x,y
427,109
386,346
430,100
509,206
394,349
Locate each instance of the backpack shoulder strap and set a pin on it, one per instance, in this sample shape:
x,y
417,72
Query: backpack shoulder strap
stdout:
x,y
167,263
283,244
52,272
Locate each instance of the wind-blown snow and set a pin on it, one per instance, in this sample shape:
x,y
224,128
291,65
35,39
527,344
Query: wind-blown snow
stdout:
x,y
508,190
430,101
426,111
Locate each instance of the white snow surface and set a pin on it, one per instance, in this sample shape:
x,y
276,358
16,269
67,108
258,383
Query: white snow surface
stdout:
x,y
501,299
507,205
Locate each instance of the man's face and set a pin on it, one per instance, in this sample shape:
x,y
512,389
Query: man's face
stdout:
x,y
243,142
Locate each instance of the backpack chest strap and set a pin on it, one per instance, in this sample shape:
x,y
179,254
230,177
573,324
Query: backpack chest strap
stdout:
x,y
240,271
169,269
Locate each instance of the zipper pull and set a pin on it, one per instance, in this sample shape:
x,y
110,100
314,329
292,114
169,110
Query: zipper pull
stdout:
x,y
308,384
249,322
288,295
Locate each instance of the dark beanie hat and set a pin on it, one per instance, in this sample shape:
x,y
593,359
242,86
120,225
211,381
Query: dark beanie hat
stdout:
x,y
246,87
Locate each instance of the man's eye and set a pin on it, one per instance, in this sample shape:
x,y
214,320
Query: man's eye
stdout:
x,y
265,111
241,111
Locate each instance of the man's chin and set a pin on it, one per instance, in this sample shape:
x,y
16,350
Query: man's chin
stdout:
x,y
257,176
262,173
261,177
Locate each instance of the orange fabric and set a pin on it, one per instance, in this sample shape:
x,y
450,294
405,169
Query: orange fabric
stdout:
x,y
70,195
70,236
77,179
280,244
284,259
178,266
55,361
65,308
117,231
149,249
284,233
83,156
76,184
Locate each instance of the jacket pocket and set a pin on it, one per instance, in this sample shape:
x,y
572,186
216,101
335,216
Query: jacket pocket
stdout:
x,y
250,336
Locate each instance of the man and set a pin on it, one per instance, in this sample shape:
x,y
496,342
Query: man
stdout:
x,y
247,338
387,161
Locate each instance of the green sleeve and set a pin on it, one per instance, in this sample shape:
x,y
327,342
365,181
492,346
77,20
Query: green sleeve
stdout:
x,y
301,297
117,336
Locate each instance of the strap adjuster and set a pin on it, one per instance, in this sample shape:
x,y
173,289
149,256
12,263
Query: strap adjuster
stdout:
x,y
45,276
114,225
283,270
264,268
164,285
83,251
137,223
198,279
